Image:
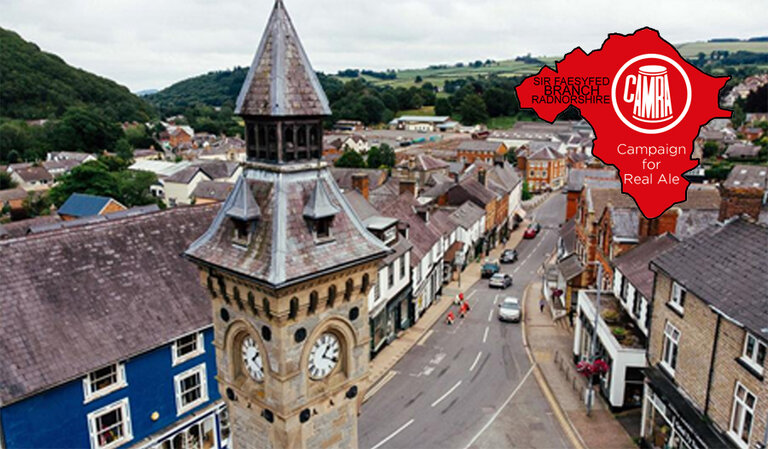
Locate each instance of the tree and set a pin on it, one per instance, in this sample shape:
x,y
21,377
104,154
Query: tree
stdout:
x,y
86,130
499,101
381,156
350,159
511,157
124,149
36,204
711,149
6,182
473,110
442,106
526,193
738,116
418,79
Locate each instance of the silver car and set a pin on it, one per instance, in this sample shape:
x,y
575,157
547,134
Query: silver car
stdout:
x,y
509,309
500,280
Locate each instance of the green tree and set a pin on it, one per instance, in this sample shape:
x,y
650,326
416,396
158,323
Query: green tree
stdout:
x,y
36,204
473,110
418,79
350,159
442,106
381,156
85,129
511,157
6,182
738,116
526,193
124,149
92,178
499,101
373,158
711,149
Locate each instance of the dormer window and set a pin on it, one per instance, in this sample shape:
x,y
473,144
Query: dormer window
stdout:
x,y
244,212
323,228
319,212
241,234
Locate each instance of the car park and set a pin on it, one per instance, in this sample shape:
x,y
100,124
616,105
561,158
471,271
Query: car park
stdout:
x,y
509,309
500,280
508,256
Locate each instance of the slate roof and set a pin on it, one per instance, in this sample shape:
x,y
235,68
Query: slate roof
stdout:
x,y
471,189
742,150
319,204
64,291
34,173
242,205
343,176
505,176
546,153
21,228
420,234
570,266
634,264
186,175
218,169
748,176
467,215
724,265
281,81
17,193
362,208
568,235
479,145
578,177
215,190
282,249
83,205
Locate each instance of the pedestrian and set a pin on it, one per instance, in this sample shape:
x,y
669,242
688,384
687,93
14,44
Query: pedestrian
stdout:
x,y
542,303
463,309
570,316
450,318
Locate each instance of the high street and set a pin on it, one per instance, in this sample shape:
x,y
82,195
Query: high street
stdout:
x,y
471,384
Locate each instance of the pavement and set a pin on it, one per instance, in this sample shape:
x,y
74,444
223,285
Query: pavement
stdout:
x,y
472,384
551,344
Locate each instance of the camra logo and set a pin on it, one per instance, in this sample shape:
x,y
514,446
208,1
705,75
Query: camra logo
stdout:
x,y
651,93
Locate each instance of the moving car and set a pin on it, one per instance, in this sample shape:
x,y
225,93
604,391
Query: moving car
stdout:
x,y
489,269
509,256
500,280
531,231
509,309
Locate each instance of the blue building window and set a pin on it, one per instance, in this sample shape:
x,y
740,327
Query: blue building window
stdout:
x,y
187,347
104,381
110,426
191,389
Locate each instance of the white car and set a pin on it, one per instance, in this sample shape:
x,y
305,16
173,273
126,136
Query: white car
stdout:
x,y
509,309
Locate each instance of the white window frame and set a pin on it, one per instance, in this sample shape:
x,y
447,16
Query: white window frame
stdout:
x,y
669,336
176,359
676,297
751,359
127,427
184,408
737,401
121,382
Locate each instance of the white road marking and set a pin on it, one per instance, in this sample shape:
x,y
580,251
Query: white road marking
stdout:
x,y
424,338
393,434
446,394
485,335
498,412
379,385
437,358
490,315
495,298
477,359
470,295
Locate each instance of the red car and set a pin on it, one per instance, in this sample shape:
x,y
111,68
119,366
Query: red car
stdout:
x,y
530,232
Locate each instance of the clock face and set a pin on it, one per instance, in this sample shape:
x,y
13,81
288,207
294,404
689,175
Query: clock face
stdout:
x,y
324,356
252,359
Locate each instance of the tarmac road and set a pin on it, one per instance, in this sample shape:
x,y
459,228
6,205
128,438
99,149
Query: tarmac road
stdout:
x,y
471,384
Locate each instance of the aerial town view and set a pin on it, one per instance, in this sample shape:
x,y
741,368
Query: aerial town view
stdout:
x,y
295,224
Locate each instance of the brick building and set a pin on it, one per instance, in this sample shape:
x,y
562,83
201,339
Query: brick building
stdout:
x,y
705,384
469,151
543,168
745,191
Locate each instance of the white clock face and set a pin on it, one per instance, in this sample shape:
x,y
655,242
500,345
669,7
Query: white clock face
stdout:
x,y
252,359
324,356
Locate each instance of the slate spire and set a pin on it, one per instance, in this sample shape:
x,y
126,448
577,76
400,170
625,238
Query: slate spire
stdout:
x,y
243,206
319,204
281,81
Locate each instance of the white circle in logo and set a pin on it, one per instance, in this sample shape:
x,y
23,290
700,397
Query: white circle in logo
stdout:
x,y
616,81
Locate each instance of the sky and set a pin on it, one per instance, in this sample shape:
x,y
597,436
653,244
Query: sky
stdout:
x,y
150,44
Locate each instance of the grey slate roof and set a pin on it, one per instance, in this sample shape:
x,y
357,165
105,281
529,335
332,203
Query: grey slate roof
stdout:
x,y
570,266
753,176
216,190
282,249
568,235
578,177
343,176
64,291
467,215
634,264
420,234
319,204
243,206
479,145
281,81
546,153
724,265
186,175
742,150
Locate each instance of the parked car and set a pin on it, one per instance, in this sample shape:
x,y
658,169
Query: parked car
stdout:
x,y
509,256
500,280
531,231
489,269
509,309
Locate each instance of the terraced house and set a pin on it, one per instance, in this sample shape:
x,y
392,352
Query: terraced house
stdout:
x,y
705,385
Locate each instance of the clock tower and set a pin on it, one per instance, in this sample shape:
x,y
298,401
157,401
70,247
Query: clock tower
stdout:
x,y
288,266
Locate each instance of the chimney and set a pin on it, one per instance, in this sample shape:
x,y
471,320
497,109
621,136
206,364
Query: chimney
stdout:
x,y
360,183
408,185
740,200
481,176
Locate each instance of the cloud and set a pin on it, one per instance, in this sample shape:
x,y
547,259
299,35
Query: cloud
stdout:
x,y
152,44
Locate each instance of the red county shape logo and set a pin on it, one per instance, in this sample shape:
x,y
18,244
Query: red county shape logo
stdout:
x,y
651,93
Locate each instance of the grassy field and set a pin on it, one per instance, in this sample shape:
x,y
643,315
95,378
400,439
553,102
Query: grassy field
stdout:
x,y
426,110
692,49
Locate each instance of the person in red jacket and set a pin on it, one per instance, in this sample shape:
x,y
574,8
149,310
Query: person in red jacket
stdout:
x,y
450,318
463,309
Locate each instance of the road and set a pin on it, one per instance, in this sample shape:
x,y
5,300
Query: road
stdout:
x,y
471,384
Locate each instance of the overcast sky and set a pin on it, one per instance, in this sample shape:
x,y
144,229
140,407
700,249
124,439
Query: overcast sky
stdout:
x,y
146,44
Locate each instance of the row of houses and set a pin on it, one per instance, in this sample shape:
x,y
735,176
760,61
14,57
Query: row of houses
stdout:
x,y
681,317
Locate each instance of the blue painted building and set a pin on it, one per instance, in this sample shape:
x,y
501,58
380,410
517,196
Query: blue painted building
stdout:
x,y
106,338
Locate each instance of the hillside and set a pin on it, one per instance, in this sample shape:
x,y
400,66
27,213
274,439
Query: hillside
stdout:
x,y
35,84
212,89
692,49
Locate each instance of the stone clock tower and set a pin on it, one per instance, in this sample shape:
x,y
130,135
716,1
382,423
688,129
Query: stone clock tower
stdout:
x,y
288,266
